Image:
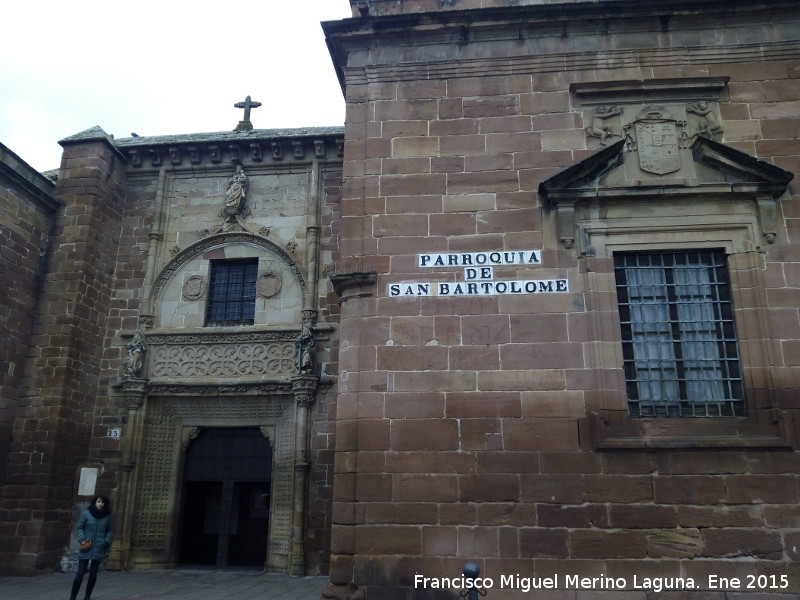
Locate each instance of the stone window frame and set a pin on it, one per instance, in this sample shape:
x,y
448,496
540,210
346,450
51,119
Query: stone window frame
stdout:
x,y
679,340
743,194
244,301
608,422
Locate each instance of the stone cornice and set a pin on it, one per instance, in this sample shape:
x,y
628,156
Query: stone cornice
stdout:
x,y
551,11
384,8
276,146
513,32
531,64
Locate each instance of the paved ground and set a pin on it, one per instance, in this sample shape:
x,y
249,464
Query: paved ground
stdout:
x,y
169,584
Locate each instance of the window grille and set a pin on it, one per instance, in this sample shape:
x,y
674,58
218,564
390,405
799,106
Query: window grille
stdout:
x,y
679,346
232,292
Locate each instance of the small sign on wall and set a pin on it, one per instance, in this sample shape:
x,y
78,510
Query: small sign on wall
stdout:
x,y
88,482
114,432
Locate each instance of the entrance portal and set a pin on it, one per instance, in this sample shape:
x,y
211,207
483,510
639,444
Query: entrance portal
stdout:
x,y
226,498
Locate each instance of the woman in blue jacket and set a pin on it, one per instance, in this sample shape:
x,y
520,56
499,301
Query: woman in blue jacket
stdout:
x,y
94,526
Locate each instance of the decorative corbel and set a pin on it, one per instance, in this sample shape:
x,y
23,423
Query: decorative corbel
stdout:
x,y
565,223
136,158
155,157
188,435
134,392
767,211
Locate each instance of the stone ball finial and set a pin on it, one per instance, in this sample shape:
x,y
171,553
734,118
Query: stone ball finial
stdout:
x,y
471,570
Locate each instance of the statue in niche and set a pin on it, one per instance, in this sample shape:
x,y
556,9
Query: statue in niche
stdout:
x,y
135,359
304,345
236,193
708,124
601,127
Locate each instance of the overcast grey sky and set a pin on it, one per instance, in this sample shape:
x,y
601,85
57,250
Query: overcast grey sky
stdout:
x,y
161,67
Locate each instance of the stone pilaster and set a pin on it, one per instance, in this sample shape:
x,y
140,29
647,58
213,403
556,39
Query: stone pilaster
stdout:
x,y
304,388
134,393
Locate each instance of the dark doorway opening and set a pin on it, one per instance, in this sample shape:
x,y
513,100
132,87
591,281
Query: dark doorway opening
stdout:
x,y
226,501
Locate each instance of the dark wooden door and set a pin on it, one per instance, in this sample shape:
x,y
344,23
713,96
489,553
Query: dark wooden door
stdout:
x,y
226,485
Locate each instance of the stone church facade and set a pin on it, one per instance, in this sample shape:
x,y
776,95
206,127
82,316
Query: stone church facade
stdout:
x,y
534,307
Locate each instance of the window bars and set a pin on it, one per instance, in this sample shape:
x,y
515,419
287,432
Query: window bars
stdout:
x,y
679,347
232,292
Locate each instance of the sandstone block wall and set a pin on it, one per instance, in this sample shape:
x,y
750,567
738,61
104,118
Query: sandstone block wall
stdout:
x,y
57,393
463,427
28,206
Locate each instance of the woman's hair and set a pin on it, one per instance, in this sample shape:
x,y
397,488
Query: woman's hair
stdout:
x,y
106,503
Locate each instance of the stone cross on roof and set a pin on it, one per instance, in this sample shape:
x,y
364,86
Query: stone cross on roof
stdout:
x,y
247,104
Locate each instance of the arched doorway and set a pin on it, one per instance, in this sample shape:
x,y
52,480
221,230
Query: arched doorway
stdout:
x,y
226,498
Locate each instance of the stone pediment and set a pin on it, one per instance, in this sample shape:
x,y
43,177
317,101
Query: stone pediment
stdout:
x,y
713,168
705,170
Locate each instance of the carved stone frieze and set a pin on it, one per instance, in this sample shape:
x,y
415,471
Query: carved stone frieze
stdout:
x,y
209,390
222,360
221,337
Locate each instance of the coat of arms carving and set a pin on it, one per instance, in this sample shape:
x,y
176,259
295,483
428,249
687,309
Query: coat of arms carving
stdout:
x,y
657,136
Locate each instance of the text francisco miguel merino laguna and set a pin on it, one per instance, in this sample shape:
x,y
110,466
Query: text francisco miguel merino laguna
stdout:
x,y
566,581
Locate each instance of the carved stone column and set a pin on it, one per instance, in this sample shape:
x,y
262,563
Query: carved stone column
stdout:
x,y
134,391
304,388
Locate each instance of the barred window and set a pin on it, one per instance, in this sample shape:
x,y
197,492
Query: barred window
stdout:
x,y
232,292
679,346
